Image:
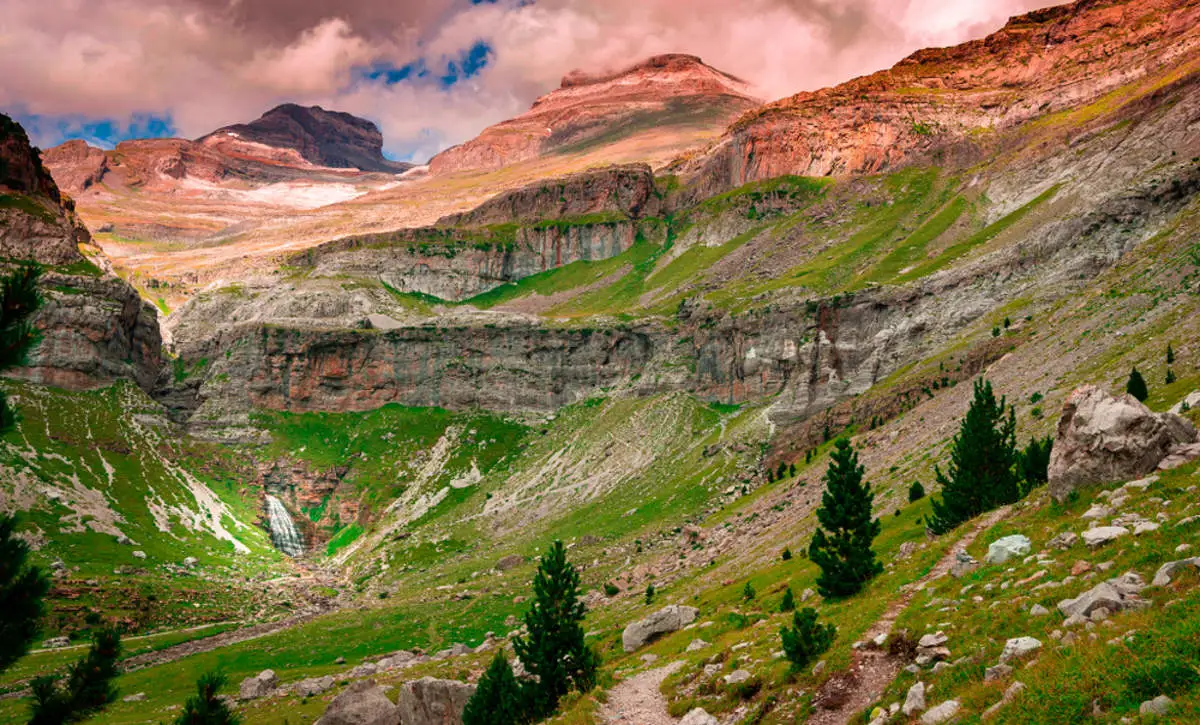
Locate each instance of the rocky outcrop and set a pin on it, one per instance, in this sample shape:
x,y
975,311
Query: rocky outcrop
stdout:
x,y
94,328
937,103
321,137
77,166
671,618
1102,438
430,701
362,703
664,93
260,685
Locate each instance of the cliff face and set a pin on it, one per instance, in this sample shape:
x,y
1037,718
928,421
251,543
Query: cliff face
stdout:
x,y
664,94
94,327
941,104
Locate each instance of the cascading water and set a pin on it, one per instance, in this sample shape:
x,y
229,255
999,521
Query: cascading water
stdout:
x,y
284,534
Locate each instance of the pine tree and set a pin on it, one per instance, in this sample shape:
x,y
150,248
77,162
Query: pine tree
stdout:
x,y
19,299
205,708
1033,463
554,651
806,640
498,699
787,554
748,592
88,688
1170,376
916,492
781,471
791,470
1170,354
841,545
22,589
789,601
1136,386
981,474
649,593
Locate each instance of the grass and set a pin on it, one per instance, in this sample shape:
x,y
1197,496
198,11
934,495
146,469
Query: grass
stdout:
x,y
28,205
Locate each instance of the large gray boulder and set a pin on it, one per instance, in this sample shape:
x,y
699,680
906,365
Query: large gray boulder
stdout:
x,y
1102,438
668,619
1113,595
260,685
430,701
1008,547
362,703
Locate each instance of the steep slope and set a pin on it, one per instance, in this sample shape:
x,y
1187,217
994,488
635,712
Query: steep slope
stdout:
x,y
663,95
946,105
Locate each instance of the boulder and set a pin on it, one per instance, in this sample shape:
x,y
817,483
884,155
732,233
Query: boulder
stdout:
x,y
1167,571
914,701
1113,595
668,619
1102,535
1102,438
260,685
944,712
191,562
1157,707
1018,647
1063,541
512,561
362,703
430,701
1009,547
313,686
737,677
698,716
56,643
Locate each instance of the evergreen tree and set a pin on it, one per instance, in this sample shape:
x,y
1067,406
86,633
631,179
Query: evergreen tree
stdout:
x,y
88,688
787,554
498,699
205,708
748,592
649,592
19,299
22,589
841,545
1136,386
789,601
791,470
806,640
1033,463
983,455
554,651
916,492
1170,354
781,471
1170,376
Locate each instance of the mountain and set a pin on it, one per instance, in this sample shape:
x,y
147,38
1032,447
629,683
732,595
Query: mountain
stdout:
x,y
425,386
321,137
663,96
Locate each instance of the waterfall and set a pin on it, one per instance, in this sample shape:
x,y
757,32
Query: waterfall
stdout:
x,y
284,534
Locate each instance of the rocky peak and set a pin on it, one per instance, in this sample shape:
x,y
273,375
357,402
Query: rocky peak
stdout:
x,y
678,65
323,138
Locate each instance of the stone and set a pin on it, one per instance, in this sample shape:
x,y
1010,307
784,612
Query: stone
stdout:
x,y
510,562
668,619
57,643
362,703
942,713
914,701
430,701
313,686
1102,535
1096,512
191,562
1144,527
1063,541
696,644
998,672
933,640
1157,707
1038,610
964,564
1080,568
1008,547
139,554
698,716
1101,438
136,697
737,677
1013,690
818,668
1019,647
260,685
1113,595
1167,571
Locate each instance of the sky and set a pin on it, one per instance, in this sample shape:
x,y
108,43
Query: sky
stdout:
x,y
430,73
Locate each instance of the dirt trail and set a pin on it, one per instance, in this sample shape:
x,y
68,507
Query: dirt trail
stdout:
x,y
873,670
638,701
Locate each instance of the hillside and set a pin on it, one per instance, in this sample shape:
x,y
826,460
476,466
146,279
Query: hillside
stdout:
x,y
578,336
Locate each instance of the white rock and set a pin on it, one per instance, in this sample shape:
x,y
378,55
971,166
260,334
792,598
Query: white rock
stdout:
x,y
942,713
1019,647
698,716
1102,535
1001,550
914,701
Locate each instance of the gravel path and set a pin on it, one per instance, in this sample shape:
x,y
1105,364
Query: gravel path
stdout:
x,y
873,670
638,701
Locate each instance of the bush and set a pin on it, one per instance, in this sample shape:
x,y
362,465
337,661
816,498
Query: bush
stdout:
x,y
916,492
789,601
806,639
649,593
611,590
787,554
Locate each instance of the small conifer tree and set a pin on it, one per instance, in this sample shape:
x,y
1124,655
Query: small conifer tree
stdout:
x,y
498,698
916,492
88,688
787,554
205,707
1170,376
791,470
1170,354
841,545
554,651
748,592
1136,386
806,639
981,475
789,601
650,593
1033,463
22,589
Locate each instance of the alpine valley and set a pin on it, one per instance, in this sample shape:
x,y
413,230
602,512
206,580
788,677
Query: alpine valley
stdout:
x,y
295,407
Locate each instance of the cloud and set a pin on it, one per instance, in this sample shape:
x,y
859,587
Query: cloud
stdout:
x,y
208,63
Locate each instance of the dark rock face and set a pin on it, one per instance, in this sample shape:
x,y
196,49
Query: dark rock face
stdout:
x,y
325,138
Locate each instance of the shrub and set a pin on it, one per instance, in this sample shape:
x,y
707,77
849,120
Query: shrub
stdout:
x,y
787,554
649,593
611,589
806,639
205,707
789,601
916,492
748,592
